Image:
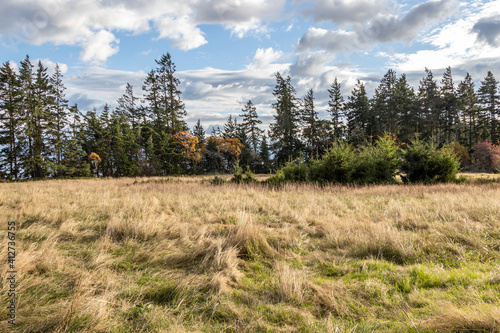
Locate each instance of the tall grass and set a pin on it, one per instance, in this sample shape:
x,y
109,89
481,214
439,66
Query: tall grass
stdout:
x,y
126,255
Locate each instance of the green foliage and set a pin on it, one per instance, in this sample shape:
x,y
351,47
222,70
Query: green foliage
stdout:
x,y
240,177
296,171
276,180
336,165
377,163
422,163
217,180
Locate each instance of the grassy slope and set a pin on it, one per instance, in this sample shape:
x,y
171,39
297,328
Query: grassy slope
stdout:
x,y
181,255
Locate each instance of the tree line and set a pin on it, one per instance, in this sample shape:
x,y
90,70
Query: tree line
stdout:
x,y
42,136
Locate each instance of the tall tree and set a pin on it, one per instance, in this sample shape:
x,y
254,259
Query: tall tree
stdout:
x,y
230,130
383,109
58,121
405,107
285,128
10,122
309,118
430,101
489,99
199,132
449,119
469,110
127,105
336,108
360,125
250,124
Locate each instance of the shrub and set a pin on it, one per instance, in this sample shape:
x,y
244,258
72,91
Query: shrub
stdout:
x,y
462,154
296,171
486,157
377,163
335,166
422,163
243,178
277,180
218,181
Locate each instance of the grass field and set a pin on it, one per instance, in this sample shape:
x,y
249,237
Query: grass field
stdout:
x,y
181,255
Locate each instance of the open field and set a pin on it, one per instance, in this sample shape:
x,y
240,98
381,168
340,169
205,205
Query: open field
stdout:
x,y
181,255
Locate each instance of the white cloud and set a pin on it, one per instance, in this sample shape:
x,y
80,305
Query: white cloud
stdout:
x,y
98,48
74,22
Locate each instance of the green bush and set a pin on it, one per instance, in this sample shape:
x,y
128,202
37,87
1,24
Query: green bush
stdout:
x,y
377,163
277,180
243,178
335,166
423,163
296,171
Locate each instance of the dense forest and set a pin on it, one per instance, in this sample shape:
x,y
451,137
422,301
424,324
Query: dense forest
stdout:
x,y
42,136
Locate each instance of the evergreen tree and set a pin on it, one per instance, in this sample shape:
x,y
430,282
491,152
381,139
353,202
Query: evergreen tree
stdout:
x,y
336,108
127,106
285,129
250,124
383,109
199,132
58,121
230,128
10,123
405,106
265,156
489,99
359,122
309,118
469,110
449,117
429,101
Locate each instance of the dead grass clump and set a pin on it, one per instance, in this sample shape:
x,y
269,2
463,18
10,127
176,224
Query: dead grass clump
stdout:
x,y
120,229
484,318
289,284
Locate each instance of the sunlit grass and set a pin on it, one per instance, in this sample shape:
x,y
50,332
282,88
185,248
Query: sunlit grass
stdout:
x,y
178,254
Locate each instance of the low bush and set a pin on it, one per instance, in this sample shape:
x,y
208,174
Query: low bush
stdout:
x,y
486,157
423,163
336,165
296,171
241,177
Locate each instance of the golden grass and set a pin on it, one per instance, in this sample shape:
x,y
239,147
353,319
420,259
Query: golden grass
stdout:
x,y
181,255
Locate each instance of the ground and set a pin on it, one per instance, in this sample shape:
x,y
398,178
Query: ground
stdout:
x,y
181,255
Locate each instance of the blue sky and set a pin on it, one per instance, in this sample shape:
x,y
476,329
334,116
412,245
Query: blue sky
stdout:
x,y
227,51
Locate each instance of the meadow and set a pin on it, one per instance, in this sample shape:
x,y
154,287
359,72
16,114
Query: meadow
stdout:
x,y
182,255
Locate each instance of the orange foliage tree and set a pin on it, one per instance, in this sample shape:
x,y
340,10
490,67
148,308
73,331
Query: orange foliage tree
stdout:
x,y
187,144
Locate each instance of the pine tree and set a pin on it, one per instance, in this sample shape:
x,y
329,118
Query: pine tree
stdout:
x,y
405,106
430,102
10,122
490,101
199,132
250,124
58,121
336,108
449,117
469,110
384,112
127,106
309,118
265,156
230,130
359,123
285,129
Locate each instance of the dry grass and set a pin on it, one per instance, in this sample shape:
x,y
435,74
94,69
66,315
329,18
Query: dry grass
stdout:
x,y
181,255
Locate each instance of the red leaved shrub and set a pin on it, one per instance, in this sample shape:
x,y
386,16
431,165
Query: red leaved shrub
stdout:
x,y
486,157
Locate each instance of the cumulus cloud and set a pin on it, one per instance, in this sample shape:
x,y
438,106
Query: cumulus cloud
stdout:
x,y
74,22
344,11
383,27
488,30
99,47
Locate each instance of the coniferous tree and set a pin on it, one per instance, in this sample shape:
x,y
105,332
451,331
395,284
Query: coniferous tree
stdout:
x,y
359,122
265,156
58,121
405,106
230,128
490,101
127,106
429,102
469,110
285,129
199,132
449,119
336,108
250,124
309,118
383,108
10,123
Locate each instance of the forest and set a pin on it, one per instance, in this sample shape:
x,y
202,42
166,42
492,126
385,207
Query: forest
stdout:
x,y
42,136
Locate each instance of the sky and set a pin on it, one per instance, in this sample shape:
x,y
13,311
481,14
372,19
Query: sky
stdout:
x,y
227,52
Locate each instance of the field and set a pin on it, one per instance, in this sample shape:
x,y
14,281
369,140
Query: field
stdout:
x,y
182,255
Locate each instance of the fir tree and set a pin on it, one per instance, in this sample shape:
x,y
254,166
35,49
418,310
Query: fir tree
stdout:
x,y
489,99
336,108
359,124
309,117
469,110
250,124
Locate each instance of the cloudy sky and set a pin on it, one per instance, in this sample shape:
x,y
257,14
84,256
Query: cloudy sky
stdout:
x,y
227,51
